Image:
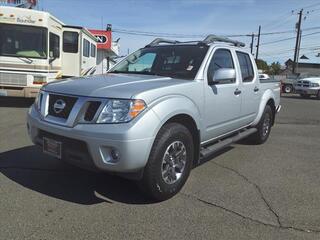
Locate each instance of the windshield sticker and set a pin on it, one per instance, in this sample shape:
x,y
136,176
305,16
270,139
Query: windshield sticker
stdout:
x,y
189,68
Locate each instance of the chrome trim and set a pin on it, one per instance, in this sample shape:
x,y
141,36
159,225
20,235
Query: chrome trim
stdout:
x,y
76,114
223,135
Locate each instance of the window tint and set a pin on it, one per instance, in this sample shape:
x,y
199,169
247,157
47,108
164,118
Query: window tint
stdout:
x,y
86,48
70,42
93,50
246,67
23,41
180,61
54,45
143,64
222,58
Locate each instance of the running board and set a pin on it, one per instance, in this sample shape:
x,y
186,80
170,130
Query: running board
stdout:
x,y
206,151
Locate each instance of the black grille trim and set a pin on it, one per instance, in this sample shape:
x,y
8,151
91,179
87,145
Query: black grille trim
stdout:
x,y
70,102
91,110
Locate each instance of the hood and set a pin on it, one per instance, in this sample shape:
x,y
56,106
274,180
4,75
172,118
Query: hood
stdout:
x,y
312,79
111,85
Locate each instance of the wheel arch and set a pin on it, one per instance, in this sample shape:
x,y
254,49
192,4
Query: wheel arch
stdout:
x,y
268,98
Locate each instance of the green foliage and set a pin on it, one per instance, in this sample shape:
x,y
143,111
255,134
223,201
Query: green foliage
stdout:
x,y
272,69
262,65
275,68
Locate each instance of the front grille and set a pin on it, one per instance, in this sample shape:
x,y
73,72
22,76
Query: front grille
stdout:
x,y
92,110
54,99
13,79
302,83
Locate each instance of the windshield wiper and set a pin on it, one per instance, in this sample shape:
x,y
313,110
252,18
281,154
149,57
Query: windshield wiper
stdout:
x,y
23,59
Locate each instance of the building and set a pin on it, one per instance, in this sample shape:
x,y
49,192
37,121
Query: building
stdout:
x,y
302,68
107,50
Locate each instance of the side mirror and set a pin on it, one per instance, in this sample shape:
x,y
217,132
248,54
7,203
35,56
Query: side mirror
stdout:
x,y
223,76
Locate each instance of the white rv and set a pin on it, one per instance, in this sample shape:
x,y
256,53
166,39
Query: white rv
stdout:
x,y
37,48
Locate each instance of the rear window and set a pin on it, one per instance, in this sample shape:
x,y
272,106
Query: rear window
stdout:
x,y
246,67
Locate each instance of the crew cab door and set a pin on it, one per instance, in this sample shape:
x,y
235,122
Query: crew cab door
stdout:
x,y
250,87
222,99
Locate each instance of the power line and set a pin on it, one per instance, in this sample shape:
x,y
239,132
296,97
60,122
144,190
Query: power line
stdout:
x,y
285,39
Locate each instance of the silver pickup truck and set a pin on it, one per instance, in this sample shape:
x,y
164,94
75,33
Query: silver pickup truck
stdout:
x,y
157,113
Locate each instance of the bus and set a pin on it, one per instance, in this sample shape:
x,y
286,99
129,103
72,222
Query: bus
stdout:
x,y
37,48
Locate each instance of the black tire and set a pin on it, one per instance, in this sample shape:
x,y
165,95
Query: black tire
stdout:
x,y
318,96
264,127
153,183
287,88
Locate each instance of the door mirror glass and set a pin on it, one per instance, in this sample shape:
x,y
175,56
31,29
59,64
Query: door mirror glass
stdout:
x,y
224,76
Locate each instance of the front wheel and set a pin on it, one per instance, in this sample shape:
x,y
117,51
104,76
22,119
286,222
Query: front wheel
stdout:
x,y
169,163
263,127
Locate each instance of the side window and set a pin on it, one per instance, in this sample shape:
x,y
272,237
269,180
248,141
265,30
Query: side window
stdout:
x,y
86,48
54,46
93,50
246,67
222,58
70,42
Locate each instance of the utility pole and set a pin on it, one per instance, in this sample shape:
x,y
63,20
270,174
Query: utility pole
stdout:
x,y
252,39
258,44
298,39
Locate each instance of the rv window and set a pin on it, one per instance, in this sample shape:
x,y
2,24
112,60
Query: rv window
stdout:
x,y
86,48
93,50
54,44
70,42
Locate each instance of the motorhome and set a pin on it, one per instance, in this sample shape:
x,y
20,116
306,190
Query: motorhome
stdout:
x,y
37,48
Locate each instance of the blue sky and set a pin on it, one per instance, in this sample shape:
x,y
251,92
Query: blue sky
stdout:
x,y
198,17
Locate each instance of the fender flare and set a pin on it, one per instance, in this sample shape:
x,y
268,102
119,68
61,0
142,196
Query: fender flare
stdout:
x,y
266,97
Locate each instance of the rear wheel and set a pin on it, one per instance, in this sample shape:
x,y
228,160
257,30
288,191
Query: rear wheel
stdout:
x,y
264,127
170,162
318,96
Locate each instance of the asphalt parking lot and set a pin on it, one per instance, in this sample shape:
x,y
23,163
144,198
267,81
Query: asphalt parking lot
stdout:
x,y
270,191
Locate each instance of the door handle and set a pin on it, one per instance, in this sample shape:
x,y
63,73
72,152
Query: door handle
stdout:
x,y
237,92
256,89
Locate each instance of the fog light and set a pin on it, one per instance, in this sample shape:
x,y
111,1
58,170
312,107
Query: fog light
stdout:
x,y
115,154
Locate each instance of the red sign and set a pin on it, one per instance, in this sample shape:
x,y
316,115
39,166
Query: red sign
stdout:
x,y
103,38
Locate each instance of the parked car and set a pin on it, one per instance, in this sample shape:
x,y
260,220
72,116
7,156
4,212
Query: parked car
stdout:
x,y
158,112
308,87
263,77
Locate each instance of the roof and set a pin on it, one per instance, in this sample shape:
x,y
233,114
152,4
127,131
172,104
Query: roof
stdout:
x,y
289,62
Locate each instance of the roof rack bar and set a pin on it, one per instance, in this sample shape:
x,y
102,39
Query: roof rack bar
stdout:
x,y
214,38
157,41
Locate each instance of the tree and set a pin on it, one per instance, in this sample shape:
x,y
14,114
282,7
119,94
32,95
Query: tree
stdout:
x,y
275,68
262,65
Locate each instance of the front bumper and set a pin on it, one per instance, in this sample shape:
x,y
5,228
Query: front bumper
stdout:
x,y
90,145
308,91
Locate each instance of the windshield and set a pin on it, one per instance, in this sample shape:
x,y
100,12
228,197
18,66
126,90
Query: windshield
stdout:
x,y
170,61
23,41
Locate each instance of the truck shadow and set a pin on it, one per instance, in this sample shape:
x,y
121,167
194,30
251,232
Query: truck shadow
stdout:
x,y
30,168
16,102
298,97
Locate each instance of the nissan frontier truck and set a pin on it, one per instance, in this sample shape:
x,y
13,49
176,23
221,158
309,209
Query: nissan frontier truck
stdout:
x,y
158,112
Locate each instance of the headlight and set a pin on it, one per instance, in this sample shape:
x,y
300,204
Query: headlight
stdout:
x,y
120,111
38,101
314,84
39,80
